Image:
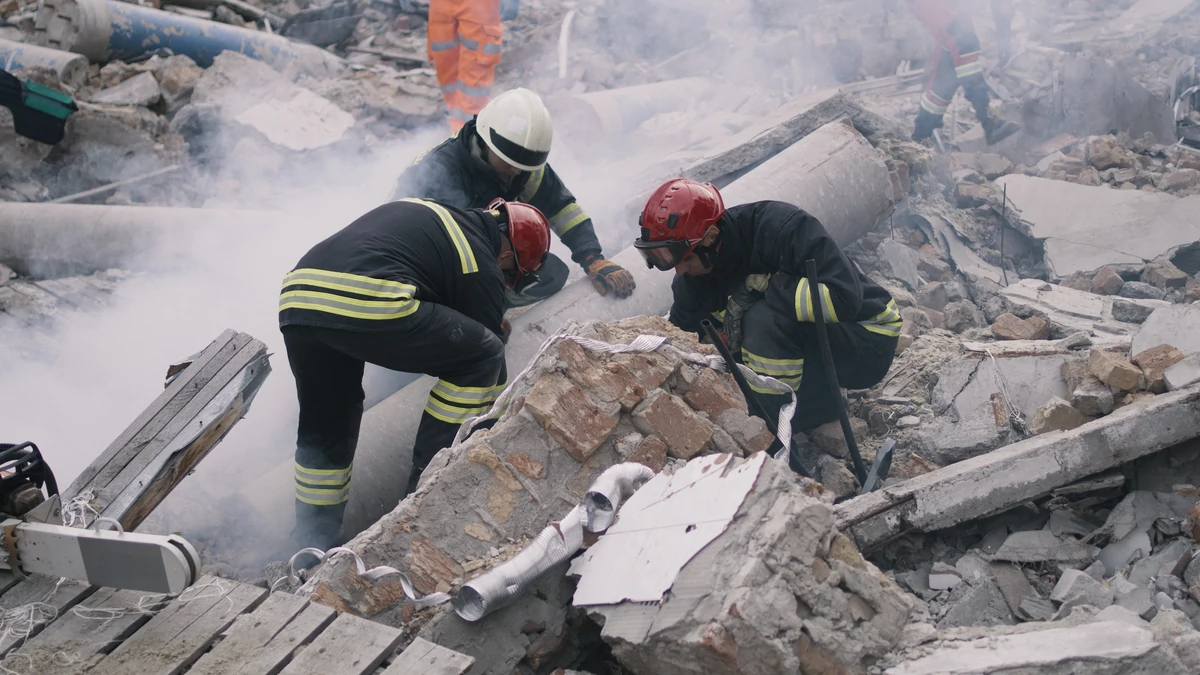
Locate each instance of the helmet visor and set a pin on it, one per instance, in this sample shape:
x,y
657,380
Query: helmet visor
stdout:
x,y
665,255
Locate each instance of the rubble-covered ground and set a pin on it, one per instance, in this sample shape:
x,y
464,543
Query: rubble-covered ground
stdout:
x,y
1046,283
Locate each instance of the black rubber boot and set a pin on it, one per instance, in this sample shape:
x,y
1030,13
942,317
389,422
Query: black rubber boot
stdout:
x,y
926,123
995,129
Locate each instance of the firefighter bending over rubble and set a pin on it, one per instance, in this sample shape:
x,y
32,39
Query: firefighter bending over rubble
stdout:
x,y
502,154
745,267
414,286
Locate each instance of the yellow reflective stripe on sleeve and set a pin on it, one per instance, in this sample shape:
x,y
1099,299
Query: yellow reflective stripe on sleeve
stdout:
x,y
566,219
465,255
453,414
888,322
827,304
532,184
322,496
803,302
467,395
322,476
350,307
352,283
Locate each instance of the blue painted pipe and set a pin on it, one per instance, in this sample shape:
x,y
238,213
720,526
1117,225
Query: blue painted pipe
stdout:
x,y
72,69
104,30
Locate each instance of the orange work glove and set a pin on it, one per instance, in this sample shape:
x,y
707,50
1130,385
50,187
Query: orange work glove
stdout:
x,y
608,276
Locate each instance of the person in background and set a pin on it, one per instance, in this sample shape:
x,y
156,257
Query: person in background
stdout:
x,y
463,41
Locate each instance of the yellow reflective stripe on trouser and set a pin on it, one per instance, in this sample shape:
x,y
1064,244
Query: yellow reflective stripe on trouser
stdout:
x,y
465,255
804,310
352,283
451,413
570,216
322,487
532,184
351,307
787,371
466,395
888,322
936,107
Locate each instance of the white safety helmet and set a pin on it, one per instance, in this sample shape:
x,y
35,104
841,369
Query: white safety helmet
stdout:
x,y
516,126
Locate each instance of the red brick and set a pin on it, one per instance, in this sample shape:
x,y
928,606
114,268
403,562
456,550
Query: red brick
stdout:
x,y
1154,362
650,369
684,432
712,394
652,452
570,417
428,565
607,382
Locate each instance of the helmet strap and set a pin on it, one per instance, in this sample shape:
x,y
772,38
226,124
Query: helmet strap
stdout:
x,y
708,254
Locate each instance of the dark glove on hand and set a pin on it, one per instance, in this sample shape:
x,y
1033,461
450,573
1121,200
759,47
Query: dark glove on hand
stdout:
x,y
607,275
509,9
739,303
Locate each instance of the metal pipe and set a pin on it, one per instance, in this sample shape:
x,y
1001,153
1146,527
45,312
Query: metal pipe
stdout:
x,y
500,586
104,30
610,489
835,390
833,173
72,69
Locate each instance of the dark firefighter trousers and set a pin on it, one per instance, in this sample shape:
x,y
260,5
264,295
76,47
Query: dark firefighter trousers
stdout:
x,y
956,56
328,366
775,343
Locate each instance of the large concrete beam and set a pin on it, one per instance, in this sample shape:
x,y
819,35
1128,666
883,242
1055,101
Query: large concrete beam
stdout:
x,y
64,239
834,173
1022,471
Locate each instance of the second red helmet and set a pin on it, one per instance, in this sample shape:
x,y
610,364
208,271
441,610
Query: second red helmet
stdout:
x,y
530,236
675,219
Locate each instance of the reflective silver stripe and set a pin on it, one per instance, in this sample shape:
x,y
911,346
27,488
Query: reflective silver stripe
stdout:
x,y
450,88
804,310
322,496
478,92
567,218
532,185
461,114
467,395
443,46
469,44
491,48
357,309
465,255
353,283
337,477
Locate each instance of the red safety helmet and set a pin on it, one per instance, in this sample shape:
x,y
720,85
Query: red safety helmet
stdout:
x,y
675,219
530,236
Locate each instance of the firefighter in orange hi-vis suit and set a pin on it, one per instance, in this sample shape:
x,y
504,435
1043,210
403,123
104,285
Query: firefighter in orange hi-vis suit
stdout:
x,y
464,45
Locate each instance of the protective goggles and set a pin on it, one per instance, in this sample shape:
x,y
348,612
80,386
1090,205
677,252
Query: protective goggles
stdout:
x,y
666,254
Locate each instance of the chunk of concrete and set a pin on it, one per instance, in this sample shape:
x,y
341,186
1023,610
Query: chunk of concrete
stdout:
x,y
1076,588
1175,325
1108,647
1092,397
736,608
1130,312
829,437
1056,415
1164,274
900,262
140,90
1119,613
1107,282
976,603
1114,370
836,477
1154,363
1069,310
963,315
1011,327
1132,597
1084,228
1140,290
1043,546
1183,374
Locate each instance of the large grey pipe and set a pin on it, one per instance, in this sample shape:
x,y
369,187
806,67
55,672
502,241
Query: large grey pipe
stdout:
x,y
833,173
72,69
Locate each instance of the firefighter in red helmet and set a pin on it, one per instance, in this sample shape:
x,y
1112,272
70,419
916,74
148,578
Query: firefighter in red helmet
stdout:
x,y
744,268
415,286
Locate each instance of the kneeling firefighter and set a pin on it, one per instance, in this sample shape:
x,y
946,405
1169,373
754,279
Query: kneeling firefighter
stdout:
x,y
414,286
744,267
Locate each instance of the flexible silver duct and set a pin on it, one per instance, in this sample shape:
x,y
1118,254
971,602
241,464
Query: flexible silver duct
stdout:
x,y
503,584
609,490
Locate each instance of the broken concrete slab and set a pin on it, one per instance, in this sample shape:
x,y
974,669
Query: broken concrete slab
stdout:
x,y
1084,228
1130,312
977,603
1069,310
1175,325
778,591
1092,397
1183,374
900,262
1165,275
1076,588
1141,290
1044,546
1022,471
138,90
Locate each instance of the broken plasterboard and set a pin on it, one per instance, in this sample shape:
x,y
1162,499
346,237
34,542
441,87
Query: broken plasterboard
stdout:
x,y
662,527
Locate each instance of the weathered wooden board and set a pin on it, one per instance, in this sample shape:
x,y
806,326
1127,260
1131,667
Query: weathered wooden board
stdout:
x,y
426,658
54,599
83,635
262,642
349,646
183,630
169,438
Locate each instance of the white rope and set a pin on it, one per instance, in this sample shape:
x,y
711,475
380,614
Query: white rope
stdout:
x,y
75,512
373,574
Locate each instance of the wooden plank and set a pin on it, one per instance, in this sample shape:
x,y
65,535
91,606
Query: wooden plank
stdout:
x,y
262,642
349,646
183,630
80,637
152,419
53,599
426,658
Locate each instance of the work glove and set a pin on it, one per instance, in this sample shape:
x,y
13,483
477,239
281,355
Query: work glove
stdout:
x,y
735,309
608,276
505,330
509,9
